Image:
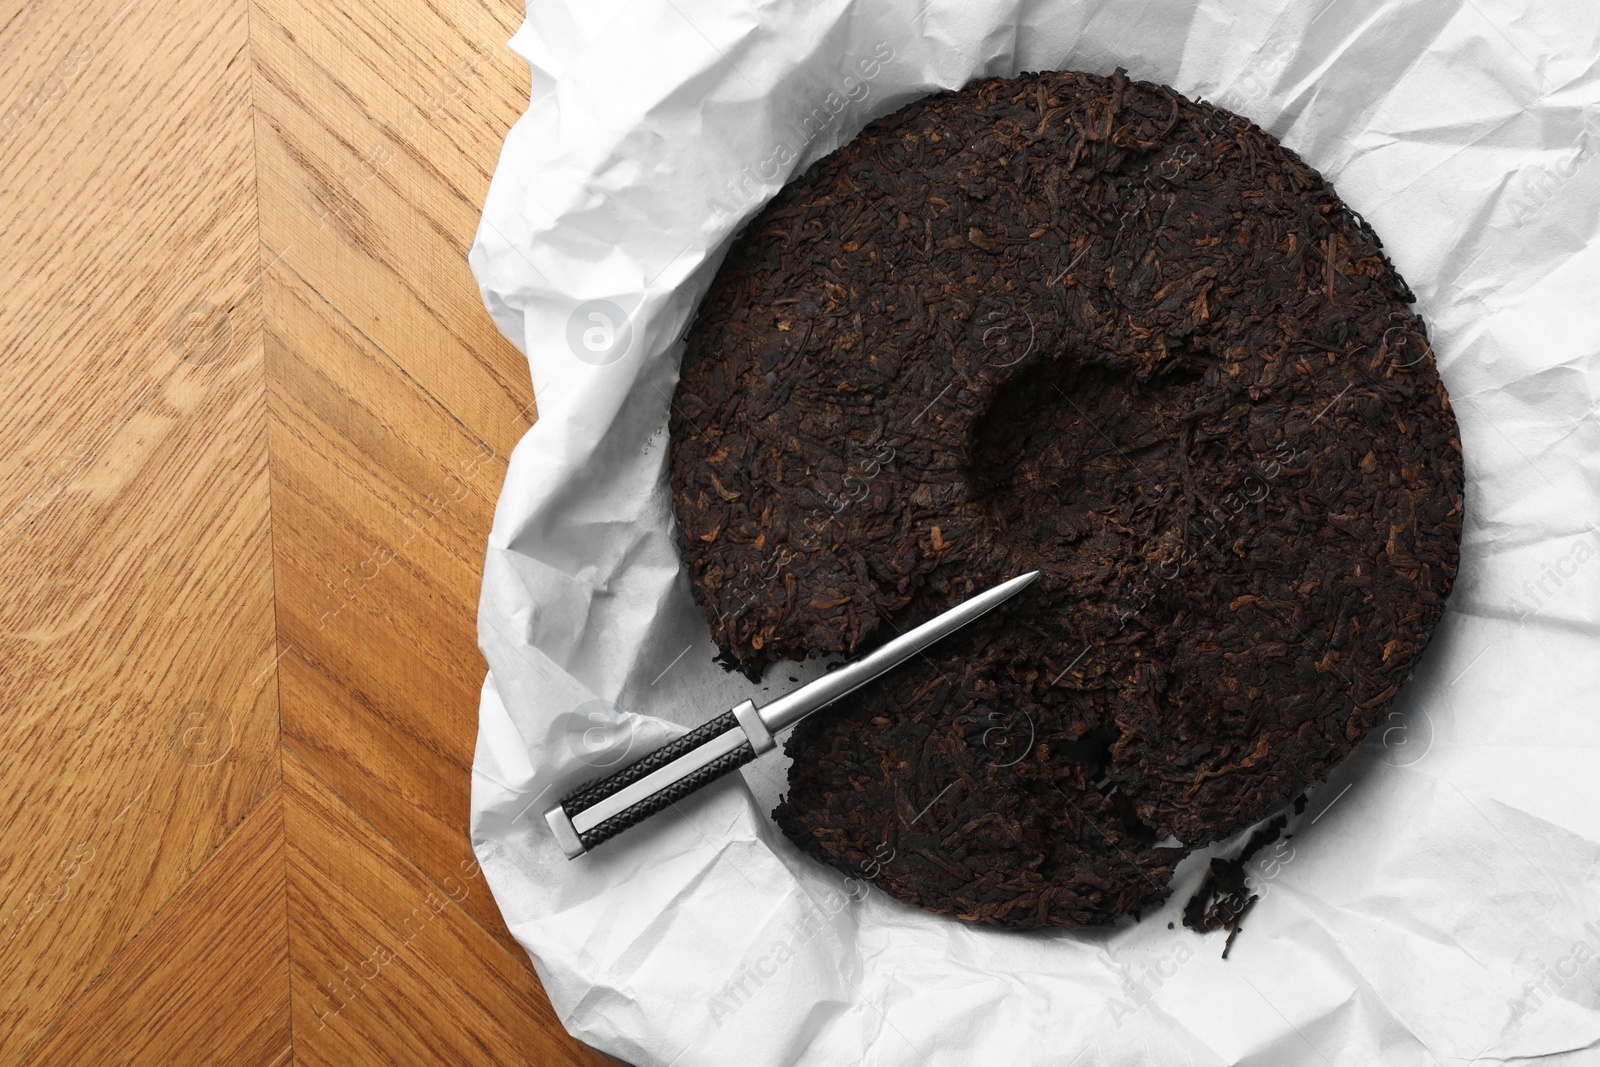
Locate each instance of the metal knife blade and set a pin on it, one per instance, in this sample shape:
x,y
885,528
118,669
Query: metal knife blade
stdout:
x,y
604,808
790,708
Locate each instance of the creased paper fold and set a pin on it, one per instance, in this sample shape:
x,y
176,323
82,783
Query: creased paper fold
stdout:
x,y
1439,900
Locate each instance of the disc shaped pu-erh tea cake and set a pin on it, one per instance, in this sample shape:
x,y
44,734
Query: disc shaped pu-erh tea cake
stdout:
x,y
1087,326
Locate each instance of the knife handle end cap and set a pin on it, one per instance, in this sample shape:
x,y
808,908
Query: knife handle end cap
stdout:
x,y
566,834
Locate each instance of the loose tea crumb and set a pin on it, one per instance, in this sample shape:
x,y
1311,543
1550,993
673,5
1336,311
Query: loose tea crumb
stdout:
x,y
1224,898
1084,325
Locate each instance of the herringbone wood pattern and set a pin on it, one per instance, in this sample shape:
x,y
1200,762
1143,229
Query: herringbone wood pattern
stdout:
x,y
255,422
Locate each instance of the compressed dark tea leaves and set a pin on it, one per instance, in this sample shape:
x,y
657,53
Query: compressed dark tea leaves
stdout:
x,y
1088,326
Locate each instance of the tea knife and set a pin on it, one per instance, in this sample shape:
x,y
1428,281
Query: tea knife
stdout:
x,y
607,806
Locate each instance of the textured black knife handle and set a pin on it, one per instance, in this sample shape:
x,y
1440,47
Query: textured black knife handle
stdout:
x,y
590,795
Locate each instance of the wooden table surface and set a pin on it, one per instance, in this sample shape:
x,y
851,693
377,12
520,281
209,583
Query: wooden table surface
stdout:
x,y
255,422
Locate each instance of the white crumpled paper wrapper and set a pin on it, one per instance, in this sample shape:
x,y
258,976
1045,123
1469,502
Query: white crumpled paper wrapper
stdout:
x,y
1439,902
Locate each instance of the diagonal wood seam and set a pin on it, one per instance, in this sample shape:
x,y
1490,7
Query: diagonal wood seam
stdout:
x,y
272,543
43,1040
264,264
284,750
267,260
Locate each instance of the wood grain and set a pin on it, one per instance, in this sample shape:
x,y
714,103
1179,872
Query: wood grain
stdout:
x,y
135,568
207,981
381,503
373,169
252,440
387,966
